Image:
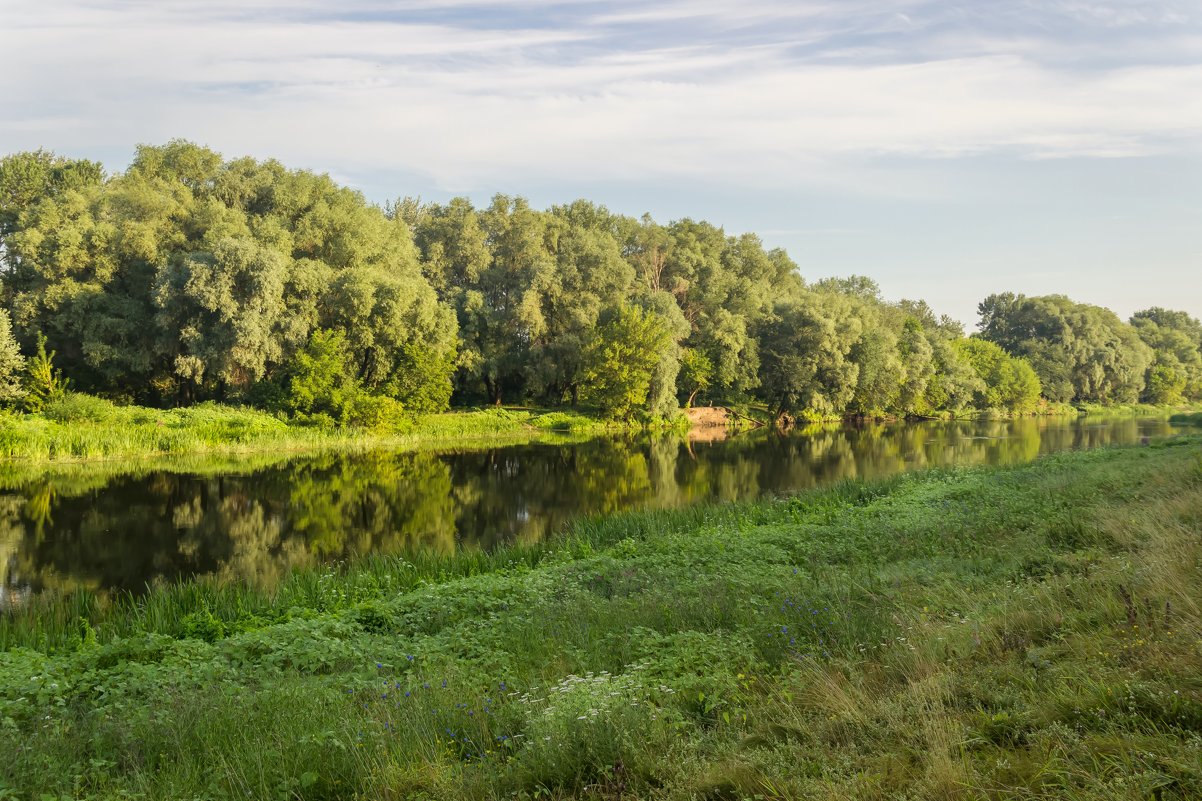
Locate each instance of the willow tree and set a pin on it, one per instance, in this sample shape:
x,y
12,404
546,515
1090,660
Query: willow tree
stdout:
x,y
1176,342
805,349
589,274
189,277
1080,352
1010,383
620,360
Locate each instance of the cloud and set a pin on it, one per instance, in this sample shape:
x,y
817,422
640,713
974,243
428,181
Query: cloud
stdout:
x,y
480,92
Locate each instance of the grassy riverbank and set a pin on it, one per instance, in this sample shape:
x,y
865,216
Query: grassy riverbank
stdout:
x,y
1028,632
93,429
84,428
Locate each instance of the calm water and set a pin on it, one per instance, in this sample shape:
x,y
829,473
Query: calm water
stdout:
x,y
101,531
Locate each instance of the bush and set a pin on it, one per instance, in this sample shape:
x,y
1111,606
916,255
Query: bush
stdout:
x,y
43,382
76,407
376,412
319,389
12,364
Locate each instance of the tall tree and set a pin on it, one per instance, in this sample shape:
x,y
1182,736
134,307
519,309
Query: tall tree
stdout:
x,y
621,359
1080,352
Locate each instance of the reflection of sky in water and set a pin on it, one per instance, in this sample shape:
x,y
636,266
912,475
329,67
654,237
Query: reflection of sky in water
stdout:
x,y
100,531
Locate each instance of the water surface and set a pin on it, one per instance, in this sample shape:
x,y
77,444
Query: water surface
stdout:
x,y
106,530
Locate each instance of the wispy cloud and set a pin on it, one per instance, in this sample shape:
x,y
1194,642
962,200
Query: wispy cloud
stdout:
x,y
472,92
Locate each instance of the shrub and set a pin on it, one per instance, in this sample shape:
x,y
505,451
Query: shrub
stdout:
x,y
43,382
75,407
12,364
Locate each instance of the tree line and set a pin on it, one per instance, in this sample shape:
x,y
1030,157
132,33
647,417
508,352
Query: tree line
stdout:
x,y
189,278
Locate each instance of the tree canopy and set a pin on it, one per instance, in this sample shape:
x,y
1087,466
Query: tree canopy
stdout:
x,y
189,277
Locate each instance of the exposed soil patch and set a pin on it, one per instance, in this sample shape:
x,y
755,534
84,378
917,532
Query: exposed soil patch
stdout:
x,y
708,416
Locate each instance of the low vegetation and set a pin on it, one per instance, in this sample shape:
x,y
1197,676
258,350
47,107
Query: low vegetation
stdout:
x,y
1028,632
81,427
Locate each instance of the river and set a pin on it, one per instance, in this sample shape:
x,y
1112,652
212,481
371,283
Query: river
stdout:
x,y
103,528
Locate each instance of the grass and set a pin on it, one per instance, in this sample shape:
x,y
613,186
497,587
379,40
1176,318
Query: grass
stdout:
x,y
1030,632
1137,409
84,428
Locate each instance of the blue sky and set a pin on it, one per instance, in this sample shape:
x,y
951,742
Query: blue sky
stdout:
x,y
946,149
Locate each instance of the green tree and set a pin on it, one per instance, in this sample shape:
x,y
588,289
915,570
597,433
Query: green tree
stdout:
x,y
1080,352
1176,341
695,372
589,274
223,309
44,383
1010,383
805,350
12,364
955,383
621,358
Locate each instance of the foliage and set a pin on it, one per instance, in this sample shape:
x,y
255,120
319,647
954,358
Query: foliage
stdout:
x,y
1009,382
44,383
696,370
805,354
12,364
621,358
189,278
1080,352
76,407
1176,341
320,381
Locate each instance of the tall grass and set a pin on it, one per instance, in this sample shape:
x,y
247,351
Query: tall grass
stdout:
x,y
1027,632
80,427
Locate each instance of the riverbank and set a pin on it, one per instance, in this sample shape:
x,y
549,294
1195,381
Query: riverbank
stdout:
x,y
85,429
103,431
1012,632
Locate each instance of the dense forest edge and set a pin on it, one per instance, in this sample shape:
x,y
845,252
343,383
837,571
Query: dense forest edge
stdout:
x,y
193,303
1031,631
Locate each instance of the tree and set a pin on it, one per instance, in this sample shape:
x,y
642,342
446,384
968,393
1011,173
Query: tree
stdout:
x,y
1010,383
1080,352
589,275
805,348
1176,341
222,310
954,384
695,372
12,364
621,358
31,177
44,383
918,367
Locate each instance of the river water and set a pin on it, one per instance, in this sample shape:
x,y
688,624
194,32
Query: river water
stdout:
x,y
105,528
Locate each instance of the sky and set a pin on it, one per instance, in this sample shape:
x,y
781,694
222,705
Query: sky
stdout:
x,y
947,149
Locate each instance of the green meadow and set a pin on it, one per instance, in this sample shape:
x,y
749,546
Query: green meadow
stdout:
x,y
1026,632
